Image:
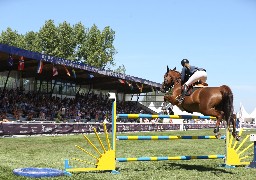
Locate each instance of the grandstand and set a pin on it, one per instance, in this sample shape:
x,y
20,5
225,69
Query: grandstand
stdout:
x,y
37,86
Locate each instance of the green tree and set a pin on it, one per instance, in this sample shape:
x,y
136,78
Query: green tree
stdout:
x,y
12,38
66,39
120,69
32,42
108,49
80,33
90,45
90,49
48,38
21,41
97,49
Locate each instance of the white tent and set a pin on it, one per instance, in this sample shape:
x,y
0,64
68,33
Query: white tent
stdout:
x,y
176,110
152,107
253,114
243,115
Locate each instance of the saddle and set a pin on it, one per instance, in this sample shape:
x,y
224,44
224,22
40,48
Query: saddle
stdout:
x,y
192,88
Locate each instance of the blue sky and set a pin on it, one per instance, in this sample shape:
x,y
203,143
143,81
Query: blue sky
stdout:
x,y
217,35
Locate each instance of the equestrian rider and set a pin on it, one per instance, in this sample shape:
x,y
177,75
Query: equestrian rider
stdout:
x,y
189,75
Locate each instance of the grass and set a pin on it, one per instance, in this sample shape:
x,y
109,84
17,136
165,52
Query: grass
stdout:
x,y
50,152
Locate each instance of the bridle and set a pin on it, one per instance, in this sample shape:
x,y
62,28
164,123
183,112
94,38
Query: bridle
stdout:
x,y
175,81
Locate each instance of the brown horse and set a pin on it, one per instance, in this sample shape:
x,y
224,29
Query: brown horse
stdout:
x,y
210,101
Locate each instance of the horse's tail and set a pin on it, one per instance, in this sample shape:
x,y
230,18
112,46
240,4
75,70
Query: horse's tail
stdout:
x,y
228,107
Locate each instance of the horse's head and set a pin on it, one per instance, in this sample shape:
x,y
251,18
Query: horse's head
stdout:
x,y
170,77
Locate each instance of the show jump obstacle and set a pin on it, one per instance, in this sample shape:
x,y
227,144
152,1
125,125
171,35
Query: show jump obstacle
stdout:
x,y
106,158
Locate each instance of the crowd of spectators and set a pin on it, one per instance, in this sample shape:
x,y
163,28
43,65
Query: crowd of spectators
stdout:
x,y
16,104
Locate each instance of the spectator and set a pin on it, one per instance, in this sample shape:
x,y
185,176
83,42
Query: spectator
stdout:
x,y
29,105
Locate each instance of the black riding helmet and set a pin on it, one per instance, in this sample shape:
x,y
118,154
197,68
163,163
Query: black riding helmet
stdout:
x,y
184,61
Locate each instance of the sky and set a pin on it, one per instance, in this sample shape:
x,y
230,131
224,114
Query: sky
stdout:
x,y
217,35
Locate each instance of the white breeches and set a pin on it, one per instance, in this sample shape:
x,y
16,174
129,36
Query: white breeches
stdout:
x,y
198,75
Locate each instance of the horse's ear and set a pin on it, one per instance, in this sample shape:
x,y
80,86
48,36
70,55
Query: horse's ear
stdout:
x,y
168,68
174,69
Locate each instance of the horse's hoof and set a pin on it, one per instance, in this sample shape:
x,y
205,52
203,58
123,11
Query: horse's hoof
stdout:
x,y
216,130
218,135
238,138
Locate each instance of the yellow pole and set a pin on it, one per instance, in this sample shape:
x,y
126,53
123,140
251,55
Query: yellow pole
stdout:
x,y
114,126
245,149
82,149
84,161
239,134
99,140
96,149
242,143
227,145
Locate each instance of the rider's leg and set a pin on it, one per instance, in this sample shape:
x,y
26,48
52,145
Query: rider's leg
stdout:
x,y
184,91
198,75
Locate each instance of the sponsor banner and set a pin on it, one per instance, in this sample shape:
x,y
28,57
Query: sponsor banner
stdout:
x,y
67,128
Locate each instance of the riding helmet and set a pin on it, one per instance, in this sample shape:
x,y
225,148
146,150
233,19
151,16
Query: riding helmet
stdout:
x,y
184,61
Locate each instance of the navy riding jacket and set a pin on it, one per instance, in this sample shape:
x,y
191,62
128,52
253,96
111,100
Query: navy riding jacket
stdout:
x,y
186,73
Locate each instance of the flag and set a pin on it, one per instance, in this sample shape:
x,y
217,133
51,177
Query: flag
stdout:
x,y
54,71
121,81
40,67
130,85
21,64
10,61
140,87
74,73
66,70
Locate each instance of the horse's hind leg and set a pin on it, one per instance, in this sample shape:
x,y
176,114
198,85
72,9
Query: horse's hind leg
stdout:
x,y
217,128
219,115
234,133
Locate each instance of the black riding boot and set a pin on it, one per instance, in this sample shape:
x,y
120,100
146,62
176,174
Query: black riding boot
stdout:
x,y
185,90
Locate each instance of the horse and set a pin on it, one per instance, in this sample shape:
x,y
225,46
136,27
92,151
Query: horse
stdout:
x,y
210,101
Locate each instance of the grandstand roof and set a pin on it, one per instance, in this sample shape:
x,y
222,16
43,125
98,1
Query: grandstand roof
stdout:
x,y
102,79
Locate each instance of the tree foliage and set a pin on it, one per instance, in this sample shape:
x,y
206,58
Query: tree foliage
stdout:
x,y
32,41
121,69
12,38
80,34
49,39
67,43
89,45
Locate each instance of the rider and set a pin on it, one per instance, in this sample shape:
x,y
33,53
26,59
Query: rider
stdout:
x,y
189,75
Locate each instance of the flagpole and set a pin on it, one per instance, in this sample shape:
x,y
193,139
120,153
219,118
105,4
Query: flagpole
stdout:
x,y
39,90
53,86
10,64
5,84
73,71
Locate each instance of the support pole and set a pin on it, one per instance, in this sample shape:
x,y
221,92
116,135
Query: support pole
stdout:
x,y
114,126
166,137
253,163
5,84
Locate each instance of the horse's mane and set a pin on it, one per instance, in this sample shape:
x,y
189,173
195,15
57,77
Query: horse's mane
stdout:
x,y
179,74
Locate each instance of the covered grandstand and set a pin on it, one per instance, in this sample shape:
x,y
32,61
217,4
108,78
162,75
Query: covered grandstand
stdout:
x,y
30,76
102,79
